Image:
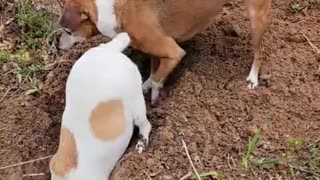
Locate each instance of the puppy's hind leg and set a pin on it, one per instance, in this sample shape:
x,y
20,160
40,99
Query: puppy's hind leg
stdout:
x,y
258,11
142,122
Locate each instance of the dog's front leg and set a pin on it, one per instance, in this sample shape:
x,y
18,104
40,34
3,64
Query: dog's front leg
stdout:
x,y
258,11
170,55
154,65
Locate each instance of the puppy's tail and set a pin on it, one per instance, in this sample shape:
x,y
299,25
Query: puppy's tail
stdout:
x,y
120,42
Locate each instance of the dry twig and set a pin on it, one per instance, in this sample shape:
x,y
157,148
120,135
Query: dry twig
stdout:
x,y
228,161
186,176
147,175
191,163
5,94
315,49
60,3
25,162
33,175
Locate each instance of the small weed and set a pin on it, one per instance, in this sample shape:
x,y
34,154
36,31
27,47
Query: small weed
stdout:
x,y
295,143
4,56
254,141
263,161
34,85
251,146
211,174
24,71
33,69
35,25
313,163
306,164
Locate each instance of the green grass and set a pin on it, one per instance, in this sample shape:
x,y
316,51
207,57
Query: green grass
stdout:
x,y
4,56
24,71
251,146
298,157
293,159
211,174
35,25
27,60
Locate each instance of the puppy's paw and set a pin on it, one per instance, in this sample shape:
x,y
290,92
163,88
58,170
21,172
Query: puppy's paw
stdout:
x,y
142,144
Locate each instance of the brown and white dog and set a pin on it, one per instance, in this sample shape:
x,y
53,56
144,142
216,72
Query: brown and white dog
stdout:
x,y
104,100
156,27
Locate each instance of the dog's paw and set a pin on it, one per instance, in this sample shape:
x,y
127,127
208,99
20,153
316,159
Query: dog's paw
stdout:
x,y
155,90
147,85
252,85
252,79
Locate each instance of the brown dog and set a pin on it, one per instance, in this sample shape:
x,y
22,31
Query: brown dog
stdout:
x,y
155,27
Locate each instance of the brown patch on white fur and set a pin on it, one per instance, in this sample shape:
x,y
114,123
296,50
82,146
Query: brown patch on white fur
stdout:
x,y
108,120
66,157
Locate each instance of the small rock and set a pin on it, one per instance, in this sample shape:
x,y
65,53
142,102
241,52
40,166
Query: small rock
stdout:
x,y
12,117
5,67
229,3
198,89
24,103
50,76
150,161
251,130
167,177
265,76
265,145
233,30
15,176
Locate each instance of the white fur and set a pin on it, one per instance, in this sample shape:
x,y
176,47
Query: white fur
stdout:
x,y
155,88
106,17
67,41
103,73
253,78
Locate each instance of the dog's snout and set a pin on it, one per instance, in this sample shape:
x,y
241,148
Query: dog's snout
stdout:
x,y
67,30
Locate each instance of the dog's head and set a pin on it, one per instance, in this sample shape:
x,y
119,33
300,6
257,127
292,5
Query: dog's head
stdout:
x,y
78,19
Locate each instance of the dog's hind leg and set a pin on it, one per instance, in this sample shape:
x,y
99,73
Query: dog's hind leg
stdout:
x,y
258,11
142,122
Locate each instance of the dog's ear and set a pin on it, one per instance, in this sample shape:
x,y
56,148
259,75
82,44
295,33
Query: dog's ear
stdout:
x,y
71,18
84,16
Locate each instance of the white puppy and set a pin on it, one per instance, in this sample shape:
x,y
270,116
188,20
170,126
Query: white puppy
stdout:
x,y
104,100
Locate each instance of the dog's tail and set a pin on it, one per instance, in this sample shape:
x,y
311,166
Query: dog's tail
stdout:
x,y
120,42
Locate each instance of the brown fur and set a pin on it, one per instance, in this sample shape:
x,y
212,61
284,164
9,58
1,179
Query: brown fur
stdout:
x,y
66,157
108,120
86,29
76,13
155,26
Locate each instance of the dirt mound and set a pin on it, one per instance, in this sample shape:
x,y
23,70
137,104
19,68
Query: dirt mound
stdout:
x,y
208,105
